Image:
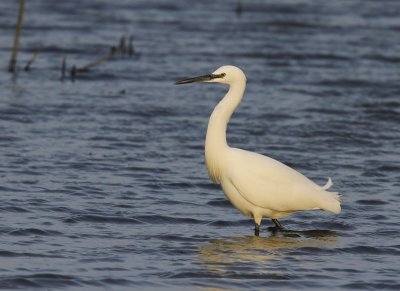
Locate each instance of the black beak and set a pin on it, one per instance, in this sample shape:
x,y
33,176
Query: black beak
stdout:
x,y
203,78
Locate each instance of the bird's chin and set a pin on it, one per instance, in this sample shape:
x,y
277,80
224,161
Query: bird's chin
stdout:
x,y
215,81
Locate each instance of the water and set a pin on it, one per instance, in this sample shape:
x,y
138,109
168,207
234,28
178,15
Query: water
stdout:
x,y
103,183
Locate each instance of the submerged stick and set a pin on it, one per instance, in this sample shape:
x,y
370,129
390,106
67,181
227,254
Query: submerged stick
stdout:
x,y
131,50
239,8
122,49
63,68
33,58
73,73
13,60
98,61
122,46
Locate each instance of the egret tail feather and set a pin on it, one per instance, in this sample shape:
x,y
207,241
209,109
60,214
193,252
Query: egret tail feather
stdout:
x,y
328,184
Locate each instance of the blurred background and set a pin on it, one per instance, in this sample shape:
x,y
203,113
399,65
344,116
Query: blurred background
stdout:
x,y
102,176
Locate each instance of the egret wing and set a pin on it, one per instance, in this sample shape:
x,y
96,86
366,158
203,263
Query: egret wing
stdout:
x,y
267,183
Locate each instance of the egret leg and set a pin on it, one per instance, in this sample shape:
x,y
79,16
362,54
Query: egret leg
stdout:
x,y
257,230
277,224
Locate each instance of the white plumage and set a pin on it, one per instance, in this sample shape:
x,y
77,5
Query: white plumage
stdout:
x,y
257,185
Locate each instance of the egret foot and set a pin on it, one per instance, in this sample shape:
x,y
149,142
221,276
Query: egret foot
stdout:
x,y
277,224
257,230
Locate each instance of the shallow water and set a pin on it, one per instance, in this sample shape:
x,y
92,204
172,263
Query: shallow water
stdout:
x,y
103,183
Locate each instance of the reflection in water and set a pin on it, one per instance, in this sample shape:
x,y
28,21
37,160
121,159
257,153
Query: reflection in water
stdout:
x,y
222,253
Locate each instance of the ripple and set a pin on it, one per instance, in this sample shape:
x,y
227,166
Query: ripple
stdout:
x,y
7,139
378,217
117,281
170,237
231,223
163,219
25,254
18,282
34,231
371,202
336,225
14,209
100,259
371,250
101,219
220,203
48,280
389,168
208,186
313,250
229,275
387,285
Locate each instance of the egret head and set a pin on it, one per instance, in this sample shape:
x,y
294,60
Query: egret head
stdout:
x,y
225,75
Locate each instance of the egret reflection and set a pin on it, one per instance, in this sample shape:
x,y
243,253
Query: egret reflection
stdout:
x,y
223,253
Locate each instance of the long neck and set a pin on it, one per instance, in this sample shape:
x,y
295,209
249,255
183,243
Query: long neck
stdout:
x,y
216,143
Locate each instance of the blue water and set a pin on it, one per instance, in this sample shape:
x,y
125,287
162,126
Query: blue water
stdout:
x,y
103,183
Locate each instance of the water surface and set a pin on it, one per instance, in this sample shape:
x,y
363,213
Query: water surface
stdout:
x,y
103,183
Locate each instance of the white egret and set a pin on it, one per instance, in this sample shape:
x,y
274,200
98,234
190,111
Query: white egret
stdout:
x,y
257,185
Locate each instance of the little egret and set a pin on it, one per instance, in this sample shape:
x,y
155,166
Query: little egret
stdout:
x,y
257,185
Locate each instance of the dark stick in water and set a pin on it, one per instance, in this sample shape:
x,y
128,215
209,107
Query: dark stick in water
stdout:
x,y
33,58
122,46
73,73
13,60
63,68
239,8
131,50
98,61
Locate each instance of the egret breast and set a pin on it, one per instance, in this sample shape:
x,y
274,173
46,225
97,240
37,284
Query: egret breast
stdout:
x,y
236,199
